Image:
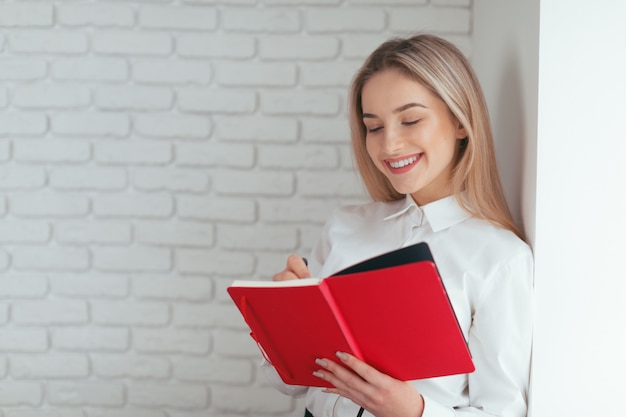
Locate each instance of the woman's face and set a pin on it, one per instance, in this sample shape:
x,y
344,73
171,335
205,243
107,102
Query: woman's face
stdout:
x,y
411,135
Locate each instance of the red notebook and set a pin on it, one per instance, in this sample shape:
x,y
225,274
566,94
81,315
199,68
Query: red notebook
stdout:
x,y
391,311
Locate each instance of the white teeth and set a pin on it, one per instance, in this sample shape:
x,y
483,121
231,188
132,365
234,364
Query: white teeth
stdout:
x,y
403,163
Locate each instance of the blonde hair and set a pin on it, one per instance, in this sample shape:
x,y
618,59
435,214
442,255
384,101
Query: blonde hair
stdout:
x,y
442,68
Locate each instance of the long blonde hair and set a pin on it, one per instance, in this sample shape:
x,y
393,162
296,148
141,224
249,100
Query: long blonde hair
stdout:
x,y
441,67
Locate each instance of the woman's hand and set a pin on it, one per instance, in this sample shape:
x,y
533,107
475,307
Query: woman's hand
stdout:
x,y
380,394
296,268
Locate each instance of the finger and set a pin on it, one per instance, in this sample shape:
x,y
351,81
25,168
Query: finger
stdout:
x,y
365,371
298,266
344,380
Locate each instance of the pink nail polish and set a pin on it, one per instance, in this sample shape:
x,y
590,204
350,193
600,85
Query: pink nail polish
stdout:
x,y
342,356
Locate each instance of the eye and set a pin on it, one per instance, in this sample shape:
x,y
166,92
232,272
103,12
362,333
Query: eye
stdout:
x,y
373,129
411,122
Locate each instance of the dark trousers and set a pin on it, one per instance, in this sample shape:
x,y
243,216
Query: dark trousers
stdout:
x,y
307,413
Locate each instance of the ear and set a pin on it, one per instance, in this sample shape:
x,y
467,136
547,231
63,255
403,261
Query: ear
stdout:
x,y
461,132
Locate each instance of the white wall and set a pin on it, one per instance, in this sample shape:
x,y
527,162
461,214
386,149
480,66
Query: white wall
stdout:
x,y
573,98
150,153
580,346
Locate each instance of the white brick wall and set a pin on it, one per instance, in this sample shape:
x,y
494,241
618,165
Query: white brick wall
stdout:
x,y
150,153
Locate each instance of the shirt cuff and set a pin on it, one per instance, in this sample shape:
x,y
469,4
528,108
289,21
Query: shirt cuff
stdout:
x,y
434,409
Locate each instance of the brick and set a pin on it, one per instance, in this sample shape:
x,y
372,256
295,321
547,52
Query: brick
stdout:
x,y
49,366
318,184
20,231
22,123
126,412
5,150
91,338
133,98
343,20
293,47
235,343
22,69
4,318
295,210
168,395
392,2
132,259
216,208
91,124
255,128
261,20
165,340
324,130
82,393
176,288
102,15
214,369
88,178
437,19
23,340
89,285
208,316
14,393
263,237
141,152
216,46
49,42
168,125
42,96
16,177
86,231
171,72
179,233
23,286
126,42
216,101
56,412
4,260
256,74
329,74
154,205
303,2
264,183
448,3
298,157
203,261
4,97
174,179
130,366
51,150
178,17
319,103
260,400
26,14
130,313
90,69
51,258
45,204
360,46
50,312
215,155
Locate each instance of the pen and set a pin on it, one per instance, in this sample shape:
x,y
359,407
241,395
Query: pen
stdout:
x,y
306,261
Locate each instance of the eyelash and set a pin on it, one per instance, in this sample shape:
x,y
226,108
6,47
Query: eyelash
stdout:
x,y
376,129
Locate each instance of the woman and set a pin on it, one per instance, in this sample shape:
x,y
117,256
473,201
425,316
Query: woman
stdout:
x,y
424,148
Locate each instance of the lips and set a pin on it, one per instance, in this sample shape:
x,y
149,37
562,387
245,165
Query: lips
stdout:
x,y
403,164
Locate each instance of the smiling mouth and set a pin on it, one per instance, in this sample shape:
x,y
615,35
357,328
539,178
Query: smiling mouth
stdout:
x,y
406,163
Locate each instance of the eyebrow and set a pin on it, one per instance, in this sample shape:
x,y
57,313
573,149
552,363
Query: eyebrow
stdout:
x,y
398,110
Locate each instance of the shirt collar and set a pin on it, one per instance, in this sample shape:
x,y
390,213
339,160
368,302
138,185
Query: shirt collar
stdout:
x,y
440,214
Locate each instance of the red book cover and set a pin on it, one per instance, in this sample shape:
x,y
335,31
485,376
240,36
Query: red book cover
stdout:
x,y
397,318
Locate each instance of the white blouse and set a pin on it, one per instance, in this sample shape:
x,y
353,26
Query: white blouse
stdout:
x,y
488,273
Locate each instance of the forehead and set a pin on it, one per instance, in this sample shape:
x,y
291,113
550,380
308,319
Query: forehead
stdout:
x,y
393,88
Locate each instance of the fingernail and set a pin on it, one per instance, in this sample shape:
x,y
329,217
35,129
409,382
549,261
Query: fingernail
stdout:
x,y
322,363
318,374
342,356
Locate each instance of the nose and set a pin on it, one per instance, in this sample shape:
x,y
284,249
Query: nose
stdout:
x,y
392,141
